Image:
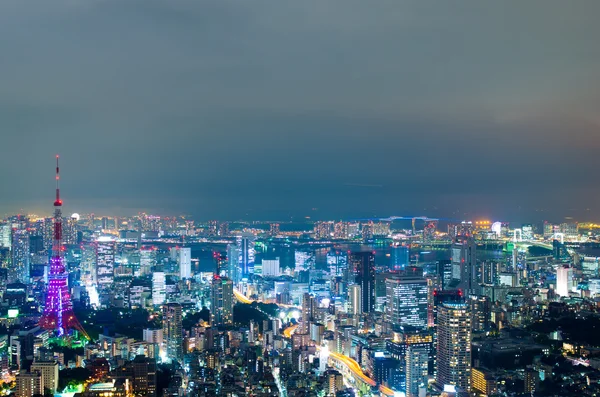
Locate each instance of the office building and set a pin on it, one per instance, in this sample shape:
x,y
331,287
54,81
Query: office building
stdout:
x,y
406,301
49,371
245,244
304,260
337,261
5,235
29,384
153,336
399,257
233,263
159,289
482,381
270,267
221,301
465,272
309,311
173,331
184,262
454,346
354,300
417,365
363,266
19,269
105,262
335,382
147,260
564,280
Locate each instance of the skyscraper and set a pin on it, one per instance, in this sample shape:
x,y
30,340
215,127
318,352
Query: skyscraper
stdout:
x,y
354,300
173,331
245,244
337,261
309,310
221,301
465,271
19,269
363,264
399,257
406,301
184,259
105,263
159,291
417,365
147,260
233,263
454,346
5,235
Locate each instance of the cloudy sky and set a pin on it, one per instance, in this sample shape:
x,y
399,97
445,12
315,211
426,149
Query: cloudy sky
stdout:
x,y
271,109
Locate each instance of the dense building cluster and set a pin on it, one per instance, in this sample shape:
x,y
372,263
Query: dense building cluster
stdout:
x,y
174,307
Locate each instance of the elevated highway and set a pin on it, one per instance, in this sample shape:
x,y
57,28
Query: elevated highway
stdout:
x,y
350,369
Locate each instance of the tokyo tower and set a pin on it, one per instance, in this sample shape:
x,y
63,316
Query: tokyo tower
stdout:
x,y
58,312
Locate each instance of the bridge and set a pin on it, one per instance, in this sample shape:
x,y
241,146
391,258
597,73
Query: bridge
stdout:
x,y
351,370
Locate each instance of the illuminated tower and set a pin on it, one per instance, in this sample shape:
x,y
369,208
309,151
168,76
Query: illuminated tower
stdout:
x,y
58,312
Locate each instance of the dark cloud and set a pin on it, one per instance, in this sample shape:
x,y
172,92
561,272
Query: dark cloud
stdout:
x,y
269,109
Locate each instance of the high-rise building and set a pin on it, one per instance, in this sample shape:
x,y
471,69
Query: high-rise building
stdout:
x,y
173,331
245,245
564,280
153,336
481,309
49,371
454,346
340,230
19,269
29,384
309,311
399,257
5,235
270,267
337,261
233,263
184,260
105,263
406,301
335,382
363,265
304,260
464,264
354,300
147,260
323,230
221,301
144,376
417,366
159,290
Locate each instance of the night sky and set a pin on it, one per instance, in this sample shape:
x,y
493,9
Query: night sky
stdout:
x,y
271,109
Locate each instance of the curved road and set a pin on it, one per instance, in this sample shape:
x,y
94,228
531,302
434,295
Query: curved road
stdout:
x,y
357,371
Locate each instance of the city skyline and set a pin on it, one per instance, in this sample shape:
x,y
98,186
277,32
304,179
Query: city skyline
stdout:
x,y
265,111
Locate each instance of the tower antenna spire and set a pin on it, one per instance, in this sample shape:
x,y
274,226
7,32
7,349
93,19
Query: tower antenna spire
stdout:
x,y
58,201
